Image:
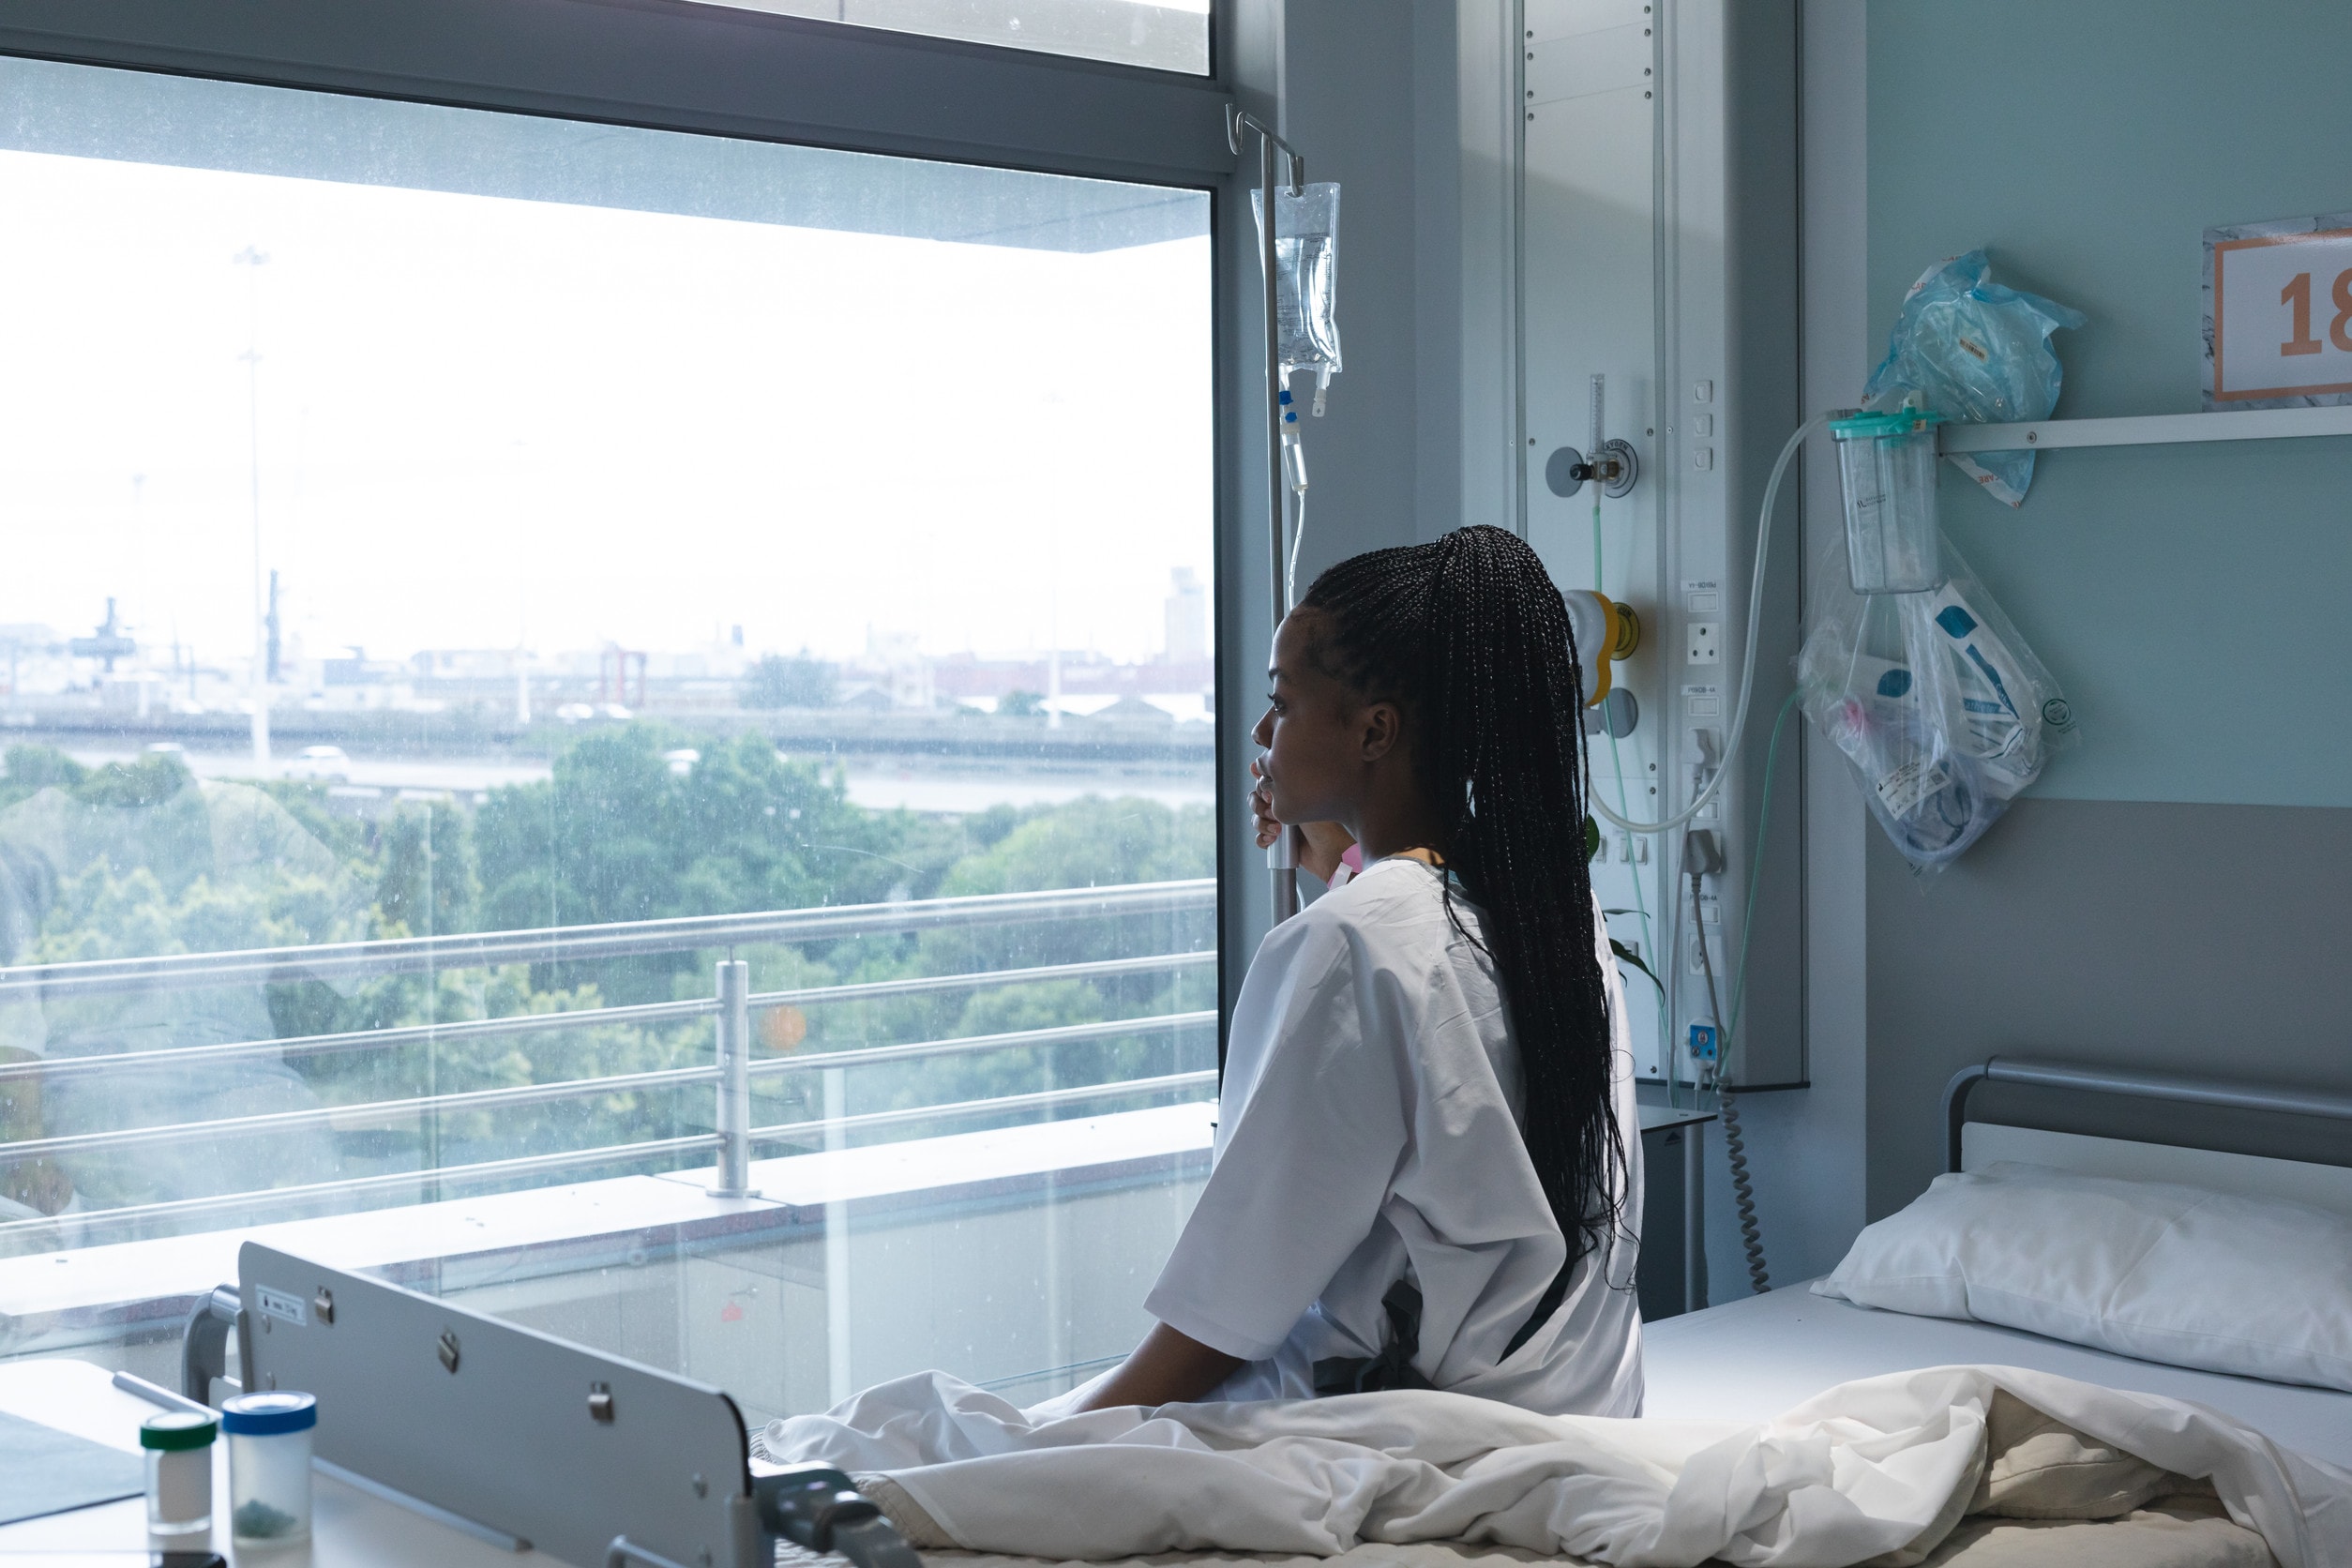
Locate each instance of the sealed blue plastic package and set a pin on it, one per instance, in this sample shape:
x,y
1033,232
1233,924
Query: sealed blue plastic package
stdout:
x,y
1976,350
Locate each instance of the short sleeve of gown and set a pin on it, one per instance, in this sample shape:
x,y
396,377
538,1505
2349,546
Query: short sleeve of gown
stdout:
x,y
1315,1121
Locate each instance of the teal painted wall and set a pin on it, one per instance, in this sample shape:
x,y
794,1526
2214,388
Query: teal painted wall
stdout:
x,y
2192,600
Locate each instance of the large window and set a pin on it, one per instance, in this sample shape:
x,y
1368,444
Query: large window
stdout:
x,y
470,577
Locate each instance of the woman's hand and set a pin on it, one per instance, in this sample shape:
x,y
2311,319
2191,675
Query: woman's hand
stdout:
x,y
1322,843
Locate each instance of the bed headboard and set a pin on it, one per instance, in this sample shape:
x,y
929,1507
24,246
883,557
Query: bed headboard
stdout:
x,y
1972,1145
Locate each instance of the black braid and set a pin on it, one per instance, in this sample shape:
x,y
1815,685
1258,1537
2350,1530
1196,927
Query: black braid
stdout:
x,y
1469,638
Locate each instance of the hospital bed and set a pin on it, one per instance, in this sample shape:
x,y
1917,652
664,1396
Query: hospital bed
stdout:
x,y
1755,1358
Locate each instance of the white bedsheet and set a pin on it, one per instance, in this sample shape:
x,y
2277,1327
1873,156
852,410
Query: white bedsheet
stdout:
x,y
1861,1470
1749,1360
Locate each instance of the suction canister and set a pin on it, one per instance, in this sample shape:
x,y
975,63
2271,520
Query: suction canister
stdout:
x,y
1886,469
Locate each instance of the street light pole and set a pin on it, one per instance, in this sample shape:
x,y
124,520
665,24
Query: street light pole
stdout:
x,y
251,256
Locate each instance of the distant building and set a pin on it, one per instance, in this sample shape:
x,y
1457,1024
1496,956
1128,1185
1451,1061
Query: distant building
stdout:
x,y
356,669
893,671
465,664
1187,617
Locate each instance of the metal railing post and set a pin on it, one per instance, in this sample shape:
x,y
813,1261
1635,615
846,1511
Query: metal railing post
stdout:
x,y
735,1080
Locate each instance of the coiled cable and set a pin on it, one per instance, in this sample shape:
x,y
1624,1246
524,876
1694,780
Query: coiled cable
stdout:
x,y
1727,1105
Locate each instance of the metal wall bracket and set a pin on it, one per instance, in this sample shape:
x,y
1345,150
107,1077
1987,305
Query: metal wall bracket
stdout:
x,y
2153,430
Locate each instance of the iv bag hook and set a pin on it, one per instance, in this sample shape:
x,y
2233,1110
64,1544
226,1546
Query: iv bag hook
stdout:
x,y
1282,860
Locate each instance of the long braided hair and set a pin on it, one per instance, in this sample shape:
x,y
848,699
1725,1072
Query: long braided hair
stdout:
x,y
1470,639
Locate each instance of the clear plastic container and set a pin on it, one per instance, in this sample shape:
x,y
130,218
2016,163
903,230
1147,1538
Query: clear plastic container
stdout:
x,y
179,1445
269,1466
1887,464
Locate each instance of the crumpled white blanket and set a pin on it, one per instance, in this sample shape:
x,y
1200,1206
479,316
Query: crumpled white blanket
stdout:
x,y
1883,1466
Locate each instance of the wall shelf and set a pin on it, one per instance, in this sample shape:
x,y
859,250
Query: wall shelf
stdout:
x,y
2153,430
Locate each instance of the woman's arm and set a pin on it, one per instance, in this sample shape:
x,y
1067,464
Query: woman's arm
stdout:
x,y
1167,1368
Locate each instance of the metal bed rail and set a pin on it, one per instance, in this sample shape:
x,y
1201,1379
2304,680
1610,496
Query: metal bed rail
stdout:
x,y
2090,1078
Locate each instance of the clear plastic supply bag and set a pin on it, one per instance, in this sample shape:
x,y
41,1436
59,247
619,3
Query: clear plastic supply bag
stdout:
x,y
1935,697
1979,351
1306,275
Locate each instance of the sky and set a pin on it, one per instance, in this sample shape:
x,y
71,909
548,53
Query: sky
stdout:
x,y
482,421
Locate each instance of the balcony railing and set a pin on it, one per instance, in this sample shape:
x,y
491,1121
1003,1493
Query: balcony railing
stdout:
x,y
733,1137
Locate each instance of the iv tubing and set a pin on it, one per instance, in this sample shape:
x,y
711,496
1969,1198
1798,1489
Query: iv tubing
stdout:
x,y
1747,672
1298,537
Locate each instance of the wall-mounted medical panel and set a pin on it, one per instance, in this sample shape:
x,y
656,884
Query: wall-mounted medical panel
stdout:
x,y
1658,262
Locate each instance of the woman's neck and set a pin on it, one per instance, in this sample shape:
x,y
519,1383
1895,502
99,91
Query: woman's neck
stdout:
x,y
1405,828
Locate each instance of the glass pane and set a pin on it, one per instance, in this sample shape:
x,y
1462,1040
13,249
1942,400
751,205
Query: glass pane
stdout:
x,y
441,527
1164,35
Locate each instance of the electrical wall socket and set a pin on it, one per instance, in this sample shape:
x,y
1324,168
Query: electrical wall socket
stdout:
x,y
1704,640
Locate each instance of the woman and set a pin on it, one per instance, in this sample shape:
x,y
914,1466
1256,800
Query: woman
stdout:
x,y
1427,1172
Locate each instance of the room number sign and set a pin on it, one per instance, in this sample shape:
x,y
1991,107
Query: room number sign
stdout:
x,y
2278,313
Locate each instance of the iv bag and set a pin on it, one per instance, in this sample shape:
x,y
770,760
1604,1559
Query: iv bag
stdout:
x,y
1306,275
1944,712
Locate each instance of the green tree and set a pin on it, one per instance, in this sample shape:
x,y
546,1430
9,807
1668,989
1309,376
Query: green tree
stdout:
x,y
429,883
33,768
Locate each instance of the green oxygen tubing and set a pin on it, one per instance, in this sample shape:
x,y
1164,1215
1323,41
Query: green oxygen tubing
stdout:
x,y
1747,668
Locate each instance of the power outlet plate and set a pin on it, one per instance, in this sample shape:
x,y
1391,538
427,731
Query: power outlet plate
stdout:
x,y
1704,642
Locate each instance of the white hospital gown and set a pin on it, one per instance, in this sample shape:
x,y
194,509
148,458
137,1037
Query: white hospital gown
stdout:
x,y
1369,1128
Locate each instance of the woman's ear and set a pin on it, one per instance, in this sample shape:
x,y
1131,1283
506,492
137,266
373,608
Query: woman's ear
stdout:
x,y
1380,725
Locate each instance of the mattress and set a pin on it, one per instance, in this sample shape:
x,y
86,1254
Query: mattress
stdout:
x,y
1750,1360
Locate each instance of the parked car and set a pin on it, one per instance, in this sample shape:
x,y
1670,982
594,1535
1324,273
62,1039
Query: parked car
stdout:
x,y
321,764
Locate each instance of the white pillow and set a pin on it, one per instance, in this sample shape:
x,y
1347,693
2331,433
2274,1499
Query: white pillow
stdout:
x,y
2179,1274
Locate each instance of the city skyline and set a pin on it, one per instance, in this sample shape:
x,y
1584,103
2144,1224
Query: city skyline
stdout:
x,y
539,435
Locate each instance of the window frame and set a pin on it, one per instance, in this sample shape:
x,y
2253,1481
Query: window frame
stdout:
x,y
675,64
